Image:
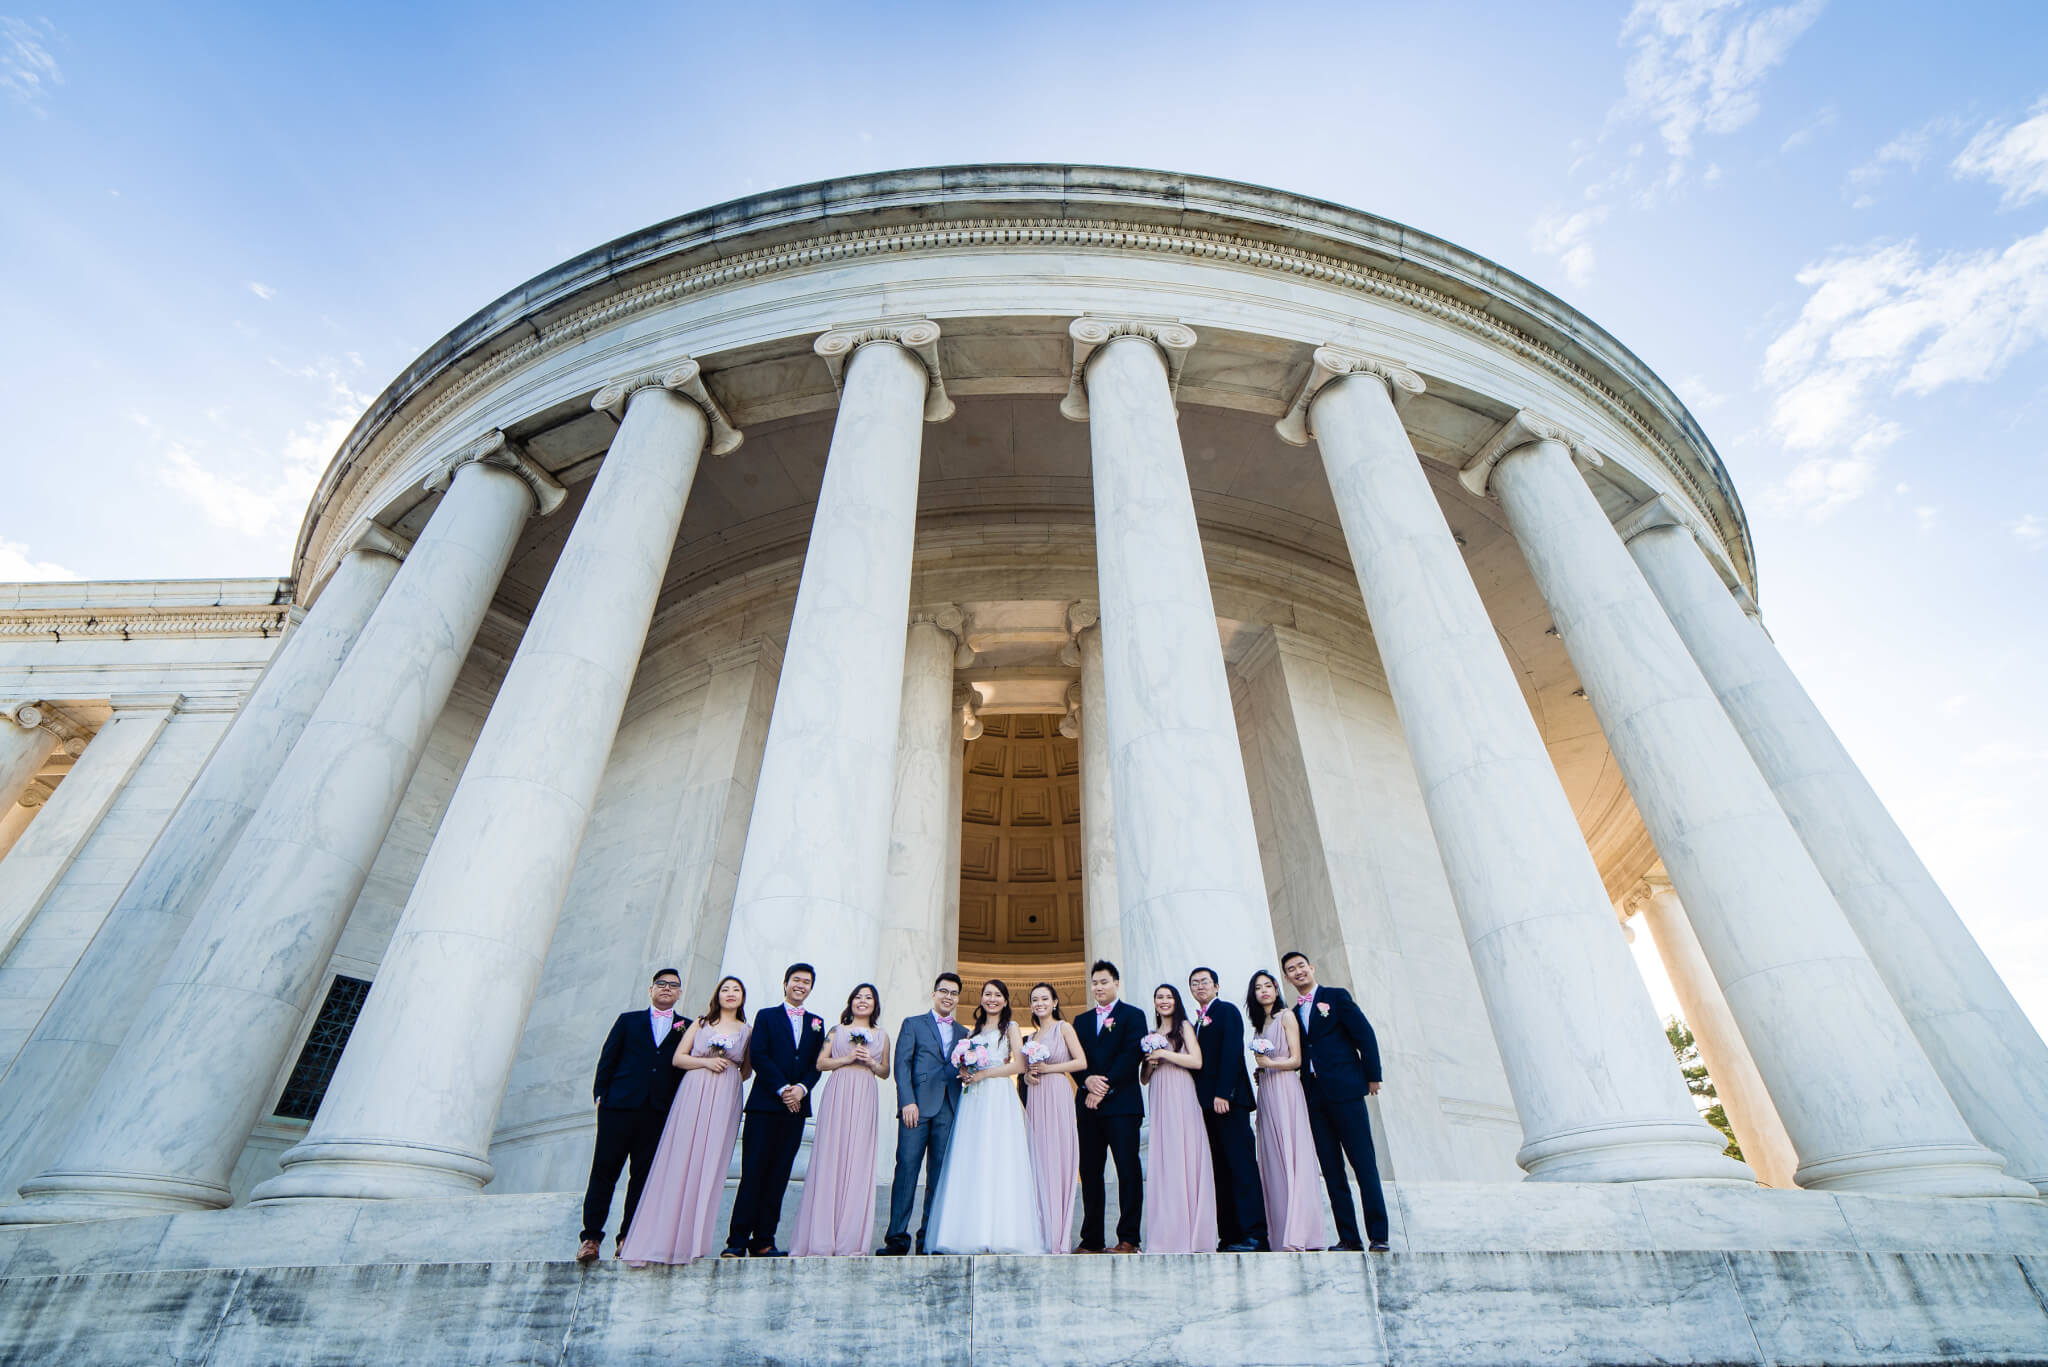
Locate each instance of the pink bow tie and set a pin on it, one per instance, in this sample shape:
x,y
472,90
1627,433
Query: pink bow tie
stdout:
x,y
1305,1001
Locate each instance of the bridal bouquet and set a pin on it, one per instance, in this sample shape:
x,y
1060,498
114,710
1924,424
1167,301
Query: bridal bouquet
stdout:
x,y
1034,1052
972,1056
1262,1046
1154,1042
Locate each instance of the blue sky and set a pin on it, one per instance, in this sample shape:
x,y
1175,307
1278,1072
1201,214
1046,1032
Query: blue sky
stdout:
x,y
223,230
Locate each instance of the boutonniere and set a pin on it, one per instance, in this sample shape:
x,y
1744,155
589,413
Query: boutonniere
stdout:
x,y
817,1024
1323,1008
1109,1023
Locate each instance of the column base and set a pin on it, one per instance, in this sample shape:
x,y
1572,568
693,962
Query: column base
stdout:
x,y
59,1198
372,1170
1923,1170
1649,1151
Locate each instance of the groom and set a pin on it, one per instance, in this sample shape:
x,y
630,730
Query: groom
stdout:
x,y
927,1096
784,1051
1340,1069
1109,1107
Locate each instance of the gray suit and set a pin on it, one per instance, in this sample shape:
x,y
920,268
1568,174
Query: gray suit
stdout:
x,y
925,1077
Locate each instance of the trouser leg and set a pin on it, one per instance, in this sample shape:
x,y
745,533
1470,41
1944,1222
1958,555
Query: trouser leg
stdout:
x,y
785,1141
648,1123
754,1139
1354,1132
607,1158
1330,1158
1227,1227
1130,1177
911,1142
939,1150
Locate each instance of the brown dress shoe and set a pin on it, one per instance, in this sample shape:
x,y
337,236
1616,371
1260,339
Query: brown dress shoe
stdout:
x,y
586,1252
1083,1248
1125,1248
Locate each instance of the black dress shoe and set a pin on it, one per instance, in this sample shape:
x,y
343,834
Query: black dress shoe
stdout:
x,y
893,1249
735,1251
1347,1246
1241,1246
770,1251
1377,1246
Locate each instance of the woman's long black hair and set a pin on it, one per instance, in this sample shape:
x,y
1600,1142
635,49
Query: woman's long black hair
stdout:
x,y
1254,1009
981,1014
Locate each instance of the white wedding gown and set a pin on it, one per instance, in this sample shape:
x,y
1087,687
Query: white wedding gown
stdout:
x,y
986,1203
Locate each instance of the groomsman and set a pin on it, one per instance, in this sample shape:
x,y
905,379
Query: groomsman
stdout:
x,y
635,1083
927,1097
1340,1069
784,1051
1109,1107
1224,1087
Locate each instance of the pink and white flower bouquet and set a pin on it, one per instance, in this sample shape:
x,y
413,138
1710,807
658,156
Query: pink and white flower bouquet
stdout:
x,y
972,1056
1154,1042
1036,1052
1261,1046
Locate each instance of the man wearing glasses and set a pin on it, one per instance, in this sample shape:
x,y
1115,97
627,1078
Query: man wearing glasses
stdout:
x,y
635,1084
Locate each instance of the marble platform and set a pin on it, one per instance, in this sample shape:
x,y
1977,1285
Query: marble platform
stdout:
x,y
1551,1274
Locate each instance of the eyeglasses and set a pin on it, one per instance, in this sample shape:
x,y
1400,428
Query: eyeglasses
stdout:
x,y
664,982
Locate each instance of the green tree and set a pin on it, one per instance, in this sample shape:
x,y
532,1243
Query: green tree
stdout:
x,y
1697,1082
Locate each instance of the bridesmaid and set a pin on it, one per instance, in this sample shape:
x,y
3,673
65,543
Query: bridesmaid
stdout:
x,y
837,1213
678,1216
1049,1116
1288,1171
1180,1183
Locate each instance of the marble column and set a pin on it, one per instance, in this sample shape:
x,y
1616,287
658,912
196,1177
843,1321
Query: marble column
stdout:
x,y
817,857
46,850
1103,936
964,697
1737,1084
1585,1058
167,1119
1864,1107
1189,884
416,1094
1988,1053
14,819
49,1080
25,745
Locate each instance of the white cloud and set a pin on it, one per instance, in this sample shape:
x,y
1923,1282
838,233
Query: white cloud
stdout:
x,y
1699,65
2030,529
1886,321
261,290
1564,236
17,568
26,66
2013,157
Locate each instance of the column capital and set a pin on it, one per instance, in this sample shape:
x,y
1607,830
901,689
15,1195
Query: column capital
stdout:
x,y
1090,334
684,376
23,712
1658,510
1333,363
1638,898
947,617
1084,615
1070,725
918,336
368,535
495,448
38,791
970,714
1525,428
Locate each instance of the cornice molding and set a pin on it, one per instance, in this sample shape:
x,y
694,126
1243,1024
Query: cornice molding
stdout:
x,y
683,376
918,336
1090,334
495,448
1333,363
128,623
1524,429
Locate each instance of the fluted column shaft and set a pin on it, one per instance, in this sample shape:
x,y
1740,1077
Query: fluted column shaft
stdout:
x,y
1740,1088
1104,934
25,746
416,1095
1585,1058
817,855
41,1093
1864,1107
1988,1053
1189,885
169,1116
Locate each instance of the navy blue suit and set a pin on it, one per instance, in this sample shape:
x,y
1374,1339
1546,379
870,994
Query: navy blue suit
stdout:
x,y
635,1084
772,1132
1340,1056
1240,1201
1111,1128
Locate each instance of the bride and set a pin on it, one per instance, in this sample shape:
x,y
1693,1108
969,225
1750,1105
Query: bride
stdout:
x,y
985,1202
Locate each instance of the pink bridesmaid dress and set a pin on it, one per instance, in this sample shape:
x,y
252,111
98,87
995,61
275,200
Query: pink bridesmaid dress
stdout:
x,y
1180,1183
837,1213
1050,1127
677,1220
1288,1173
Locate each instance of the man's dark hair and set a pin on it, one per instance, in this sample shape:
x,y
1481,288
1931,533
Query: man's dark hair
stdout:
x,y
1104,966
795,969
1210,971
670,972
953,978
1295,954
